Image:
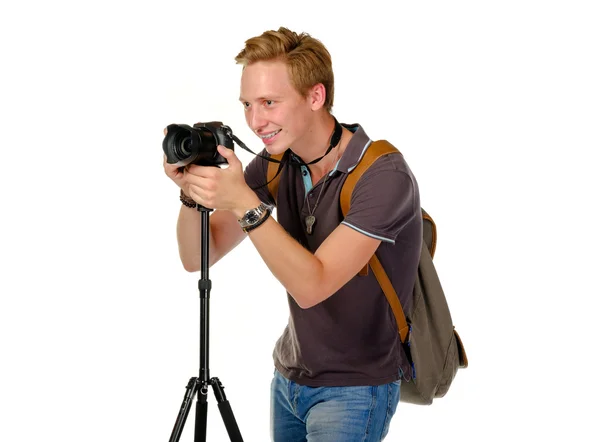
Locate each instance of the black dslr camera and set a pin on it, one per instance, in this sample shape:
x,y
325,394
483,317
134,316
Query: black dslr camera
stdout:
x,y
185,145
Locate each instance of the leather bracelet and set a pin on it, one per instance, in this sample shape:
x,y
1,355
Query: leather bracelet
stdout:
x,y
186,200
259,223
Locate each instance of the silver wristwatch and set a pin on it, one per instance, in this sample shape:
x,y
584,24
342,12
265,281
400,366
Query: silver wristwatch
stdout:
x,y
254,216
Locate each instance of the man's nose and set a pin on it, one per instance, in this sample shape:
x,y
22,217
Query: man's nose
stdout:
x,y
257,120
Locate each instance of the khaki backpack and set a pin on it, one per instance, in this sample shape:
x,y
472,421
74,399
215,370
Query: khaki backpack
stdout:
x,y
427,332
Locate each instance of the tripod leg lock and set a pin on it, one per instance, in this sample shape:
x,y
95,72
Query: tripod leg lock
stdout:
x,y
218,390
204,285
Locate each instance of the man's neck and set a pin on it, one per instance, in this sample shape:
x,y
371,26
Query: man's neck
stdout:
x,y
316,142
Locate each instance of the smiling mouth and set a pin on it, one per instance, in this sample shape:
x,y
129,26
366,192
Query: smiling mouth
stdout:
x,y
271,135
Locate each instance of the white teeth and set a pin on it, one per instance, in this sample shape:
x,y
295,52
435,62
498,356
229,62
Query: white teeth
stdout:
x,y
271,135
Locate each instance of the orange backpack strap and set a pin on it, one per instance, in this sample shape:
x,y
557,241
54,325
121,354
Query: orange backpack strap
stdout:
x,y
374,151
392,297
271,173
429,232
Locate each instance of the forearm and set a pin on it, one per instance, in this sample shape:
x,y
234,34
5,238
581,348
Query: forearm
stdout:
x,y
189,239
296,268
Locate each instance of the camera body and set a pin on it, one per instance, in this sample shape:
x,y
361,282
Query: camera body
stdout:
x,y
185,145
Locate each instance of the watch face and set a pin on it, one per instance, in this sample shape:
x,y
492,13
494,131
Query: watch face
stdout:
x,y
252,217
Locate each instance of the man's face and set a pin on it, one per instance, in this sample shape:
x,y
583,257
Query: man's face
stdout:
x,y
275,111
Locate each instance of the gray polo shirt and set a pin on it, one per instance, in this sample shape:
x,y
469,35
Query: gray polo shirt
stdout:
x,y
351,338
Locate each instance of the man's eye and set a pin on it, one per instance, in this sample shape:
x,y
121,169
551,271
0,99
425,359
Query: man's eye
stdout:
x,y
268,102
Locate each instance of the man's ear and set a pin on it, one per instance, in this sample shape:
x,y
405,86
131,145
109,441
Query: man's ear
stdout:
x,y
317,95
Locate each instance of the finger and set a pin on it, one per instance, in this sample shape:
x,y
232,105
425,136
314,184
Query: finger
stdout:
x,y
169,167
202,171
167,164
195,192
200,196
202,184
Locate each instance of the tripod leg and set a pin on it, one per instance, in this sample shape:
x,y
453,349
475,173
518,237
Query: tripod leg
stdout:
x,y
190,391
226,411
201,415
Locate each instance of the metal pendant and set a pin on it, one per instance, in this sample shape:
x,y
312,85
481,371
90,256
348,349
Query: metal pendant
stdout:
x,y
309,220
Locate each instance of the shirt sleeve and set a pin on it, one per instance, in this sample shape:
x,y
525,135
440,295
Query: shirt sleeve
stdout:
x,y
385,199
255,175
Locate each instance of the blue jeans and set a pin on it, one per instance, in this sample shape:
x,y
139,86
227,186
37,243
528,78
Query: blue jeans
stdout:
x,y
331,414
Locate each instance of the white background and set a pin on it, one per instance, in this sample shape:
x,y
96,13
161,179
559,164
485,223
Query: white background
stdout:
x,y
495,106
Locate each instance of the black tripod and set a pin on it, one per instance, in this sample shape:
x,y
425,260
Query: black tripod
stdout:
x,y
200,385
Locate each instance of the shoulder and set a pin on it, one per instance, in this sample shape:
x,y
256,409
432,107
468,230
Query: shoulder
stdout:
x,y
379,163
385,185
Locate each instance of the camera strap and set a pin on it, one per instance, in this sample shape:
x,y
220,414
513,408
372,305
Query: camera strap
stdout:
x,y
297,161
333,141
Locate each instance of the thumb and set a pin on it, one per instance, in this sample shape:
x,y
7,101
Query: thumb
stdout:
x,y
228,154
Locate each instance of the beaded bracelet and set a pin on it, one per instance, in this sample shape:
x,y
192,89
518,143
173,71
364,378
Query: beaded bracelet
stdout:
x,y
254,226
186,200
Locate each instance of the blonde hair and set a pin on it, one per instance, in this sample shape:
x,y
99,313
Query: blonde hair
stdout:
x,y
307,59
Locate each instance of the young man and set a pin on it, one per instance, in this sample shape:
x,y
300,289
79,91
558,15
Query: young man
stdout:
x,y
339,361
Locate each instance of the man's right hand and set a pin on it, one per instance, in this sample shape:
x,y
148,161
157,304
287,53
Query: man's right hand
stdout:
x,y
174,172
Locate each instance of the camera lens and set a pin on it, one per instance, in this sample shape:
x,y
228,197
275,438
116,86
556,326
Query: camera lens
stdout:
x,y
182,144
185,147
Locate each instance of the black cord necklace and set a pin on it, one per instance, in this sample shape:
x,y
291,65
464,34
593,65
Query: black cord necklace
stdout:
x,y
333,141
